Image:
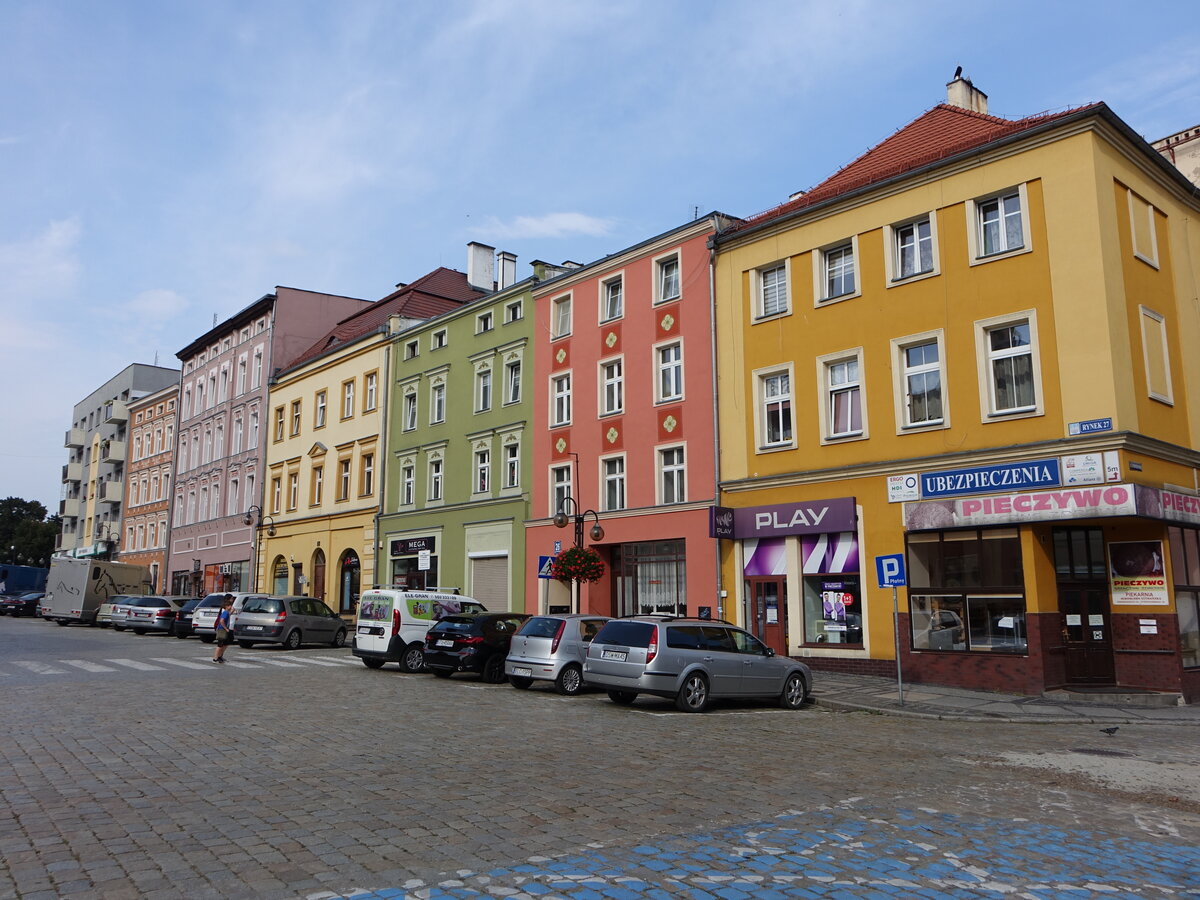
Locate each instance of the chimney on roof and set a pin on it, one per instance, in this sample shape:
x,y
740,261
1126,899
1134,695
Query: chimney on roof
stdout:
x,y
481,266
508,270
961,93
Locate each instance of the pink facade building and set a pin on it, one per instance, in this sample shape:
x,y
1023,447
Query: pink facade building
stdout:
x,y
623,429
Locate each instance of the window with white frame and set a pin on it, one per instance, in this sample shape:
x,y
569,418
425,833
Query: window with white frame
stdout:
x,y
253,430
371,391
343,487
837,264
408,484
436,471
612,298
614,482
347,399
560,394
483,471
186,411
483,390
231,505
237,435
514,312
912,249
224,395
1010,367
319,413
293,497
366,477
276,494
484,322
318,485
250,495
437,404
410,411
241,374
295,418
279,423
843,401
999,223
437,340
560,324
666,278
512,465
612,377
560,487
669,359
922,373
256,379
411,349
775,393
672,477
773,290
512,381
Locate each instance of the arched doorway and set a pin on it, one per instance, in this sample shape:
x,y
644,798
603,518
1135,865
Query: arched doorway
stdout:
x,y
348,582
317,589
279,576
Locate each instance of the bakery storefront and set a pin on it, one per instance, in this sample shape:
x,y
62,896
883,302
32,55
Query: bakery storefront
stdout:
x,y
1082,587
801,583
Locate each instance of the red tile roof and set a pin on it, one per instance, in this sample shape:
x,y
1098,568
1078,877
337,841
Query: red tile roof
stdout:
x,y
441,291
942,132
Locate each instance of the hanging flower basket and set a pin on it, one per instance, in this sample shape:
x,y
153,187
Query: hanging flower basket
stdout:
x,y
578,564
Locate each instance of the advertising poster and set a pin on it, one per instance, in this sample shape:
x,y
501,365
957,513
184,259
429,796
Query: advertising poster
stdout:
x,y
1137,574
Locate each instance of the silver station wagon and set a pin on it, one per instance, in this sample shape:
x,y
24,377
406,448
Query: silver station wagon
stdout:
x,y
692,661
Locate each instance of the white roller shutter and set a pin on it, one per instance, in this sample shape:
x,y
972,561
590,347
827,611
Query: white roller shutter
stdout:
x,y
489,582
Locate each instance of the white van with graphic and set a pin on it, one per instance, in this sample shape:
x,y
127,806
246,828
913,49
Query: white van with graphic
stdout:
x,y
391,624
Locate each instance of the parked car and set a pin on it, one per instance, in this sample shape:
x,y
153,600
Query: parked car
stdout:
x,y
25,604
120,605
472,642
153,614
392,624
691,660
552,648
105,613
290,621
183,617
204,614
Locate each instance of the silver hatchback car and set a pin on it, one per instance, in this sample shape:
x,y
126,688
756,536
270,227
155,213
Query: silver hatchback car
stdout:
x,y
552,648
290,621
691,660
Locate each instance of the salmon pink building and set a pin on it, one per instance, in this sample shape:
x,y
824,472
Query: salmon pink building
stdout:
x,y
623,430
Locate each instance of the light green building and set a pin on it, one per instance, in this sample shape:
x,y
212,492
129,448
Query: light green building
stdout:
x,y
457,474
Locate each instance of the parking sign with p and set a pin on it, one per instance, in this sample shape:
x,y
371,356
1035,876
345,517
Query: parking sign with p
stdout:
x,y
891,570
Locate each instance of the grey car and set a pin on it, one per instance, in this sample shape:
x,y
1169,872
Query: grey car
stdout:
x,y
552,648
153,614
290,621
692,661
119,606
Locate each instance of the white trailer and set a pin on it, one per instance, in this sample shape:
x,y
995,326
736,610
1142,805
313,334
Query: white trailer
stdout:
x,y
76,587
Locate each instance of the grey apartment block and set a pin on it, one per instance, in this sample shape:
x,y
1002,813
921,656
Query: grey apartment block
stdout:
x,y
93,479
219,445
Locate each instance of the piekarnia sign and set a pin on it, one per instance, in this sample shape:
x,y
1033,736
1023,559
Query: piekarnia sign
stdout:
x,y
1039,473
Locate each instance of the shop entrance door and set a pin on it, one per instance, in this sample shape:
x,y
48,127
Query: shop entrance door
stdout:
x,y
768,612
1086,634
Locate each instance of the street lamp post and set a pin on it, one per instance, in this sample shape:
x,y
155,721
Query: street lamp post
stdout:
x,y
568,511
254,516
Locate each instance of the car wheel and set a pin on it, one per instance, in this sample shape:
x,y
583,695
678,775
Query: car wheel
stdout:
x,y
569,681
493,670
339,639
519,682
181,634
139,631
442,673
292,641
62,622
795,691
622,698
115,627
693,695
372,663
245,645
413,658
208,638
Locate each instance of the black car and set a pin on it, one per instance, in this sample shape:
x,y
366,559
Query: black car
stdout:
x,y
471,642
21,604
183,617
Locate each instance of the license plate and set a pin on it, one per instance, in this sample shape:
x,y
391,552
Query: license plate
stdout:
x,y
443,643
522,671
253,628
364,629
618,655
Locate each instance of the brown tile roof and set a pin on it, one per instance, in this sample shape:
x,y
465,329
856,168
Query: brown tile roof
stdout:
x,y
440,291
939,134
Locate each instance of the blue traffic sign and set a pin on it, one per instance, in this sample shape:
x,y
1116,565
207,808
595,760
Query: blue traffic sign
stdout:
x,y
544,566
891,570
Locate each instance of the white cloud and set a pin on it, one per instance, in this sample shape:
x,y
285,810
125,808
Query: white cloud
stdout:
x,y
158,305
550,225
43,267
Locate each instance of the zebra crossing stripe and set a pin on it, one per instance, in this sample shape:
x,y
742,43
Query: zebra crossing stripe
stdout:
x,y
237,665
280,662
351,661
38,668
312,661
136,664
185,663
87,666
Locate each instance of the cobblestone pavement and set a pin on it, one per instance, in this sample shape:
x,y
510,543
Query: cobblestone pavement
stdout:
x,y
323,779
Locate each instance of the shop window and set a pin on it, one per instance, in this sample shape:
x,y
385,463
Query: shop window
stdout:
x,y
651,578
832,589
1185,569
965,591
1079,554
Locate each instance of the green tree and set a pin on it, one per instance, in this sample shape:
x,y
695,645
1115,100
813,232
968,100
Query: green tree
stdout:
x,y
26,534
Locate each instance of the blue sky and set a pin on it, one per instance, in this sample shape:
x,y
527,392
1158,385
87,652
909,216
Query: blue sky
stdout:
x,y
165,163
